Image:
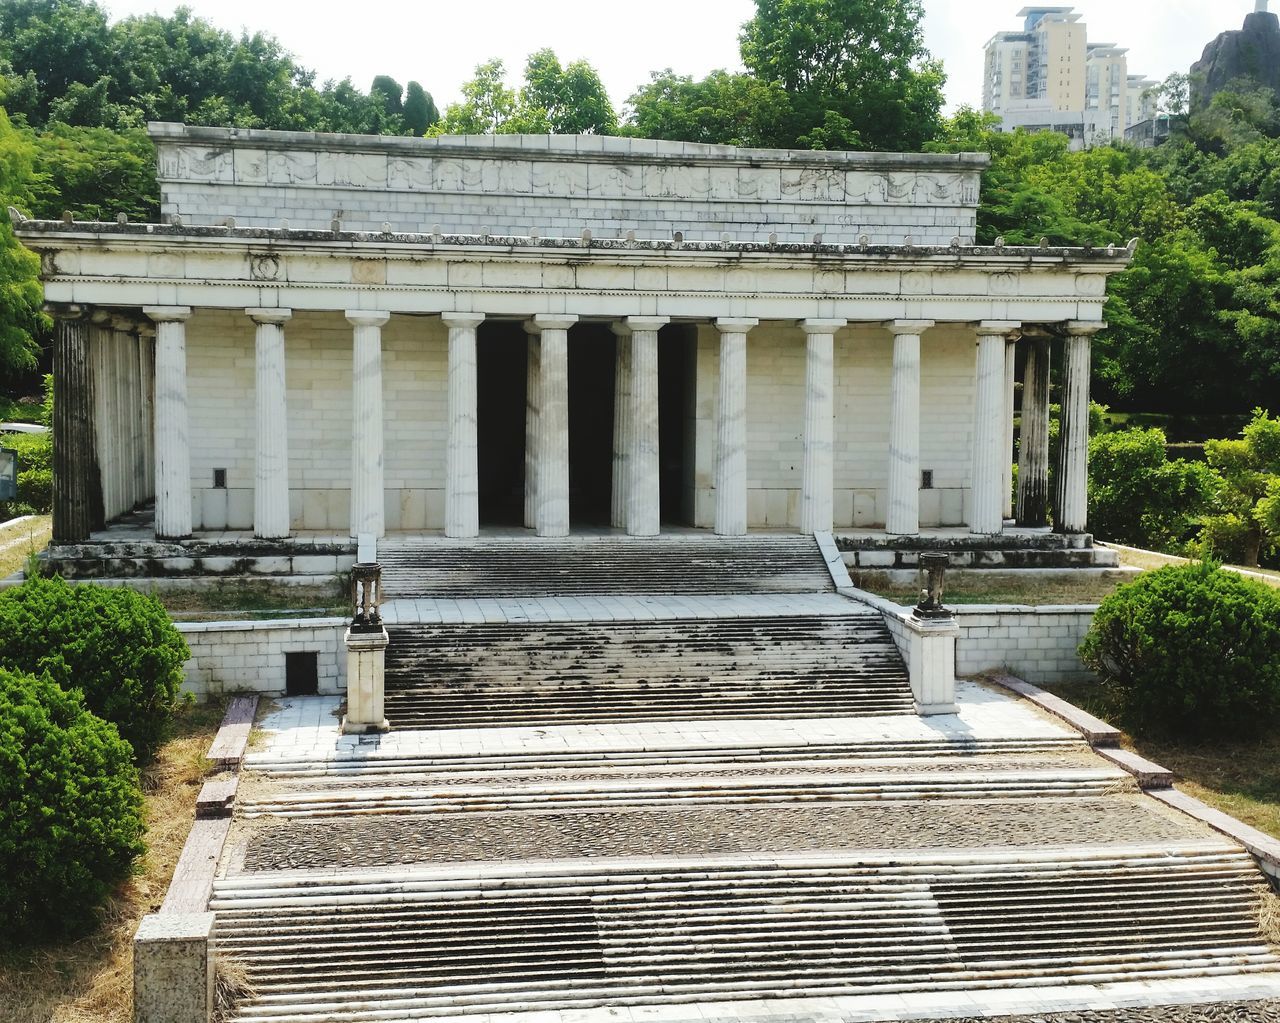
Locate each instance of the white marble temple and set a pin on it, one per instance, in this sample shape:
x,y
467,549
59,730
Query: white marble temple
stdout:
x,y
986,506
172,443
904,428
368,514
553,425
817,498
644,508
462,476
731,428
271,469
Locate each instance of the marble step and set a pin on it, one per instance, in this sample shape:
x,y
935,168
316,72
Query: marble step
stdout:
x,y
406,946
684,565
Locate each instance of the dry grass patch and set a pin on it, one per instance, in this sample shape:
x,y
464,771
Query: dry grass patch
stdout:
x,y
251,598
91,980
18,543
995,587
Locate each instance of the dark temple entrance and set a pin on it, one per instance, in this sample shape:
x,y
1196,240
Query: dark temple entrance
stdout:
x,y
592,355
501,357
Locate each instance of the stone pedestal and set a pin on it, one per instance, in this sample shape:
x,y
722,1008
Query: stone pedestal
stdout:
x,y
931,664
368,501
644,504
553,425
987,501
271,470
1071,509
173,968
817,496
366,682
462,467
903,517
173,453
1033,447
731,428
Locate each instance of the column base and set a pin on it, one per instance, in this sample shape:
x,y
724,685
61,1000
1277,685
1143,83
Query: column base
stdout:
x,y
349,727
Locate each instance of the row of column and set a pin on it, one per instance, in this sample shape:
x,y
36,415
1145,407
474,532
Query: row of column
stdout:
x,y
636,464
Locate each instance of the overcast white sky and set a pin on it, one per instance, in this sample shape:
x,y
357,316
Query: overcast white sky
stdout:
x,y
439,42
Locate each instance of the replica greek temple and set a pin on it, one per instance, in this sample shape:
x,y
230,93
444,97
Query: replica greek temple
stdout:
x,y
357,335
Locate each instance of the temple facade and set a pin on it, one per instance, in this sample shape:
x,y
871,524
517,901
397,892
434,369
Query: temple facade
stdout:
x,y
358,335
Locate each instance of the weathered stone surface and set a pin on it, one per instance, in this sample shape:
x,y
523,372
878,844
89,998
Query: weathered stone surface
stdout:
x,y
1252,52
173,968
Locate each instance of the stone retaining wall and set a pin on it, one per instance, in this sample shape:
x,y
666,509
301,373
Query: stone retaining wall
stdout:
x,y
1038,644
231,657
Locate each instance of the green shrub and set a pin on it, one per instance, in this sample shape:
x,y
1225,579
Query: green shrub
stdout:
x,y
1190,651
35,490
117,646
71,819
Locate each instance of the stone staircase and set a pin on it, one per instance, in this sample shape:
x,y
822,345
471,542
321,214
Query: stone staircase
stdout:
x,y
551,673
411,946
580,566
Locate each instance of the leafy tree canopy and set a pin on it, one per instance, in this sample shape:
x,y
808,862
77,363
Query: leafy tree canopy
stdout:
x,y
20,293
561,100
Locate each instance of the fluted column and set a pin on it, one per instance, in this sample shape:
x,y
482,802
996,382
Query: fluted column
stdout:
x,y
1033,443
904,428
368,499
532,408
172,445
271,475
1010,410
986,504
621,428
462,466
731,428
817,495
644,504
553,425
77,485
1071,511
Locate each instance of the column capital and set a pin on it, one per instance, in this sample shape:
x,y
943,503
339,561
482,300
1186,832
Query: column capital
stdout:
x,y
66,311
647,322
462,320
735,324
553,322
1002,327
265,315
908,327
366,318
822,326
1084,328
167,313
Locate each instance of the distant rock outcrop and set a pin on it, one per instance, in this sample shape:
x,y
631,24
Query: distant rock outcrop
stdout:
x,y
1252,52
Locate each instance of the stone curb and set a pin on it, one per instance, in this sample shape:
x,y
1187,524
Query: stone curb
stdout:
x,y
1264,848
229,745
1096,731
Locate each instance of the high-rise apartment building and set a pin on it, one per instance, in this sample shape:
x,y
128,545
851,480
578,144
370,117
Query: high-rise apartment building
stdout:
x,y
1048,76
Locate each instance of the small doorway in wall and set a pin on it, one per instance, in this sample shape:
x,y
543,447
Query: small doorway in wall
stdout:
x,y
501,370
301,674
592,355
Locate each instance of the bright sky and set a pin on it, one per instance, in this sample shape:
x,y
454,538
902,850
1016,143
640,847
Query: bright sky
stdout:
x,y
440,43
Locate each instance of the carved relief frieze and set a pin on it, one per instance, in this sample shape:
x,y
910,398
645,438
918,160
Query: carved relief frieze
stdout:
x,y
288,167
412,173
264,267
353,170
195,163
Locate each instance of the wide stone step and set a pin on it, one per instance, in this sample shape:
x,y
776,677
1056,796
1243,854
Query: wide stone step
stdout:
x,y
415,946
684,565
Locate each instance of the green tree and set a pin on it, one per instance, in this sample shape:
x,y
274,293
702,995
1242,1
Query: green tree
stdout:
x,y
573,99
390,92
21,296
420,111
60,43
857,71
94,173
487,104
723,108
1243,526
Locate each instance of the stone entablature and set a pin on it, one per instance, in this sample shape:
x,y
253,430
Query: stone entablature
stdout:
x,y
562,185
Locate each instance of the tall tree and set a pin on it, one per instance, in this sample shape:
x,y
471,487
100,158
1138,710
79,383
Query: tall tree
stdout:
x,y
723,108
572,98
20,291
420,111
390,91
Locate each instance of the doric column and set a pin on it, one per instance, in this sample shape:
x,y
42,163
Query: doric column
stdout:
x,y
1071,511
462,466
368,500
172,446
644,505
731,428
1033,443
904,428
553,425
817,495
77,486
532,409
271,471
986,504
1010,410
621,428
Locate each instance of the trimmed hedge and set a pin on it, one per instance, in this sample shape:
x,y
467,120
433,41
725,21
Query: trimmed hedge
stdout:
x,y
71,819
116,646
1190,651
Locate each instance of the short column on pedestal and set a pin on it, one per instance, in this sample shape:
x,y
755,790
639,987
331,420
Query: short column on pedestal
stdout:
x,y
731,428
553,425
1071,510
986,503
368,501
817,495
1033,441
462,467
644,503
903,517
172,442
271,470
